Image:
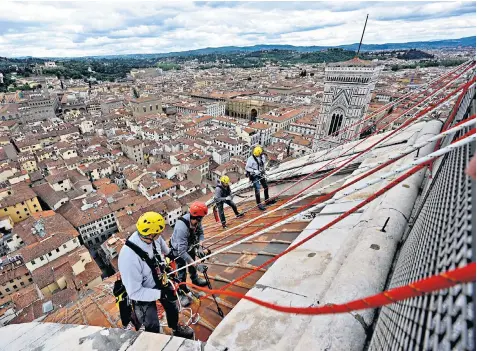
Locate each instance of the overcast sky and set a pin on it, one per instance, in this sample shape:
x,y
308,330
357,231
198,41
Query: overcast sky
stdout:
x,y
83,28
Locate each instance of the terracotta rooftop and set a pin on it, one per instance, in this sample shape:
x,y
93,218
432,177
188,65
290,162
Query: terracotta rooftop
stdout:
x,y
53,223
99,308
18,194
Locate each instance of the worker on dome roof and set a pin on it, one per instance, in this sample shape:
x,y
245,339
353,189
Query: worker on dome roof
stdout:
x,y
186,244
223,195
143,270
255,169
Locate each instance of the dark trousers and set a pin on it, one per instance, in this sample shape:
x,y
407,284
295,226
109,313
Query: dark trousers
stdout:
x,y
257,181
146,314
220,208
182,274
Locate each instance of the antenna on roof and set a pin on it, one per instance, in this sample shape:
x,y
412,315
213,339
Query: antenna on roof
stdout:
x,y
362,35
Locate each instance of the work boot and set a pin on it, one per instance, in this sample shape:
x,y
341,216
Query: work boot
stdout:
x,y
241,214
261,207
224,226
183,331
199,281
270,202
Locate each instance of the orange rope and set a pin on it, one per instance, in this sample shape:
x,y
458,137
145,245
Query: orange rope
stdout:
x,y
424,286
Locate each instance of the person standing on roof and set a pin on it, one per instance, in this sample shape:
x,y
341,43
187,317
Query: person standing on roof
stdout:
x,y
255,169
142,267
186,243
223,195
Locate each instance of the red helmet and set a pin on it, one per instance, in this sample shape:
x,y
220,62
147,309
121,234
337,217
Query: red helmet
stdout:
x,y
198,209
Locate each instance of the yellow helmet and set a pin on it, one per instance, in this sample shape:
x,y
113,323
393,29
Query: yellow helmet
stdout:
x,y
150,223
257,151
225,180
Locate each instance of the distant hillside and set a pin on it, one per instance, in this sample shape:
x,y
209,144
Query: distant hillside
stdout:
x,y
436,44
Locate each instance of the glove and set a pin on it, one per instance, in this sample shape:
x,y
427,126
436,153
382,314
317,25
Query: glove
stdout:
x,y
257,172
228,198
200,252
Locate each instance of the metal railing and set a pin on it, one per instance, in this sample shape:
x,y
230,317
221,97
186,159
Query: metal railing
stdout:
x,y
440,237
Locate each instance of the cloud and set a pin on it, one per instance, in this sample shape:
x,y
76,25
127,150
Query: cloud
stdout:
x,y
53,29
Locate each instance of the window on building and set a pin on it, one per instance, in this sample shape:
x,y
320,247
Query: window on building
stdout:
x,y
30,280
15,287
18,212
64,245
42,258
335,125
7,289
50,254
57,250
33,262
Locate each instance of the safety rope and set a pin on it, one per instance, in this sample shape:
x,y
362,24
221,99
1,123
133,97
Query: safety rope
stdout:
x,y
417,163
344,215
400,128
452,115
420,287
373,168
466,66
351,148
468,137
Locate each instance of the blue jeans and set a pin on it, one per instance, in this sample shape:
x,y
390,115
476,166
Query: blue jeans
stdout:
x,y
257,181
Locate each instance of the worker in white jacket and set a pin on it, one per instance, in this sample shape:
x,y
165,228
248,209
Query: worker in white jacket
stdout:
x,y
255,169
142,266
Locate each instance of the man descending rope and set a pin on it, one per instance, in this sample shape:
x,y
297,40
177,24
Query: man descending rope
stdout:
x,y
143,267
223,195
185,244
255,169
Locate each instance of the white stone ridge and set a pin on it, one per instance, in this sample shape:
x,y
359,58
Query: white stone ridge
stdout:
x,y
346,262
54,336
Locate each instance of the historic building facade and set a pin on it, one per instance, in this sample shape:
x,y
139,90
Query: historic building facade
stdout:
x,y
347,93
248,108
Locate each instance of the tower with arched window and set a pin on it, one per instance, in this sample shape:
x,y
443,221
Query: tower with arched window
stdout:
x,y
346,96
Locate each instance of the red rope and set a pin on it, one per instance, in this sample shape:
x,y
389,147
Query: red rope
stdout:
x,y
424,286
402,126
451,117
339,218
332,193
330,224
376,132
